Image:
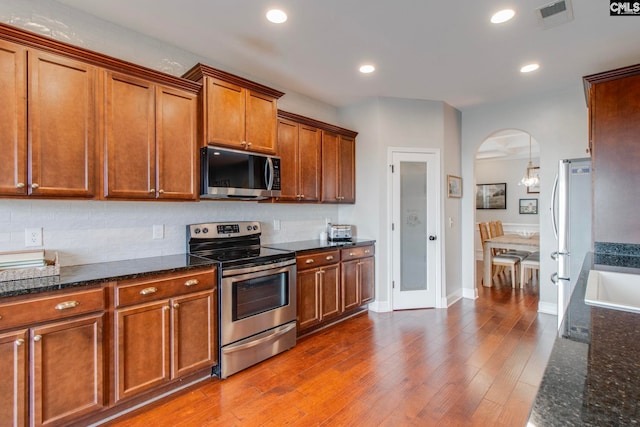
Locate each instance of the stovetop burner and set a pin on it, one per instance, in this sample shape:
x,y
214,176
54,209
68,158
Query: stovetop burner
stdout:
x,y
232,244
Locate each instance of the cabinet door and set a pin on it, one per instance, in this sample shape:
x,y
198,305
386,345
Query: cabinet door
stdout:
x,y
13,119
176,156
67,370
225,116
329,167
367,280
261,116
130,133
142,348
330,292
308,294
288,152
13,374
62,130
350,292
194,329
309,163
347,170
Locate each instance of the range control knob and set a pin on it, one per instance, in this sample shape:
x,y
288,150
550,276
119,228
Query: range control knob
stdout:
x,y
248,228
255,227
196,231
205,230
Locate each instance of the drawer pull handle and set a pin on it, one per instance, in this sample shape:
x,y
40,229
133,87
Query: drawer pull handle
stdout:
x,y
191,282
309,261
67,304
329,257
148,291
37,337
366,251
19,342
352,254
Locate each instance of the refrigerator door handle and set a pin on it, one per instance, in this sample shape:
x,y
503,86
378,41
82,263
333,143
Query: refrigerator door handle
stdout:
x,y
554,255
554,278
554,220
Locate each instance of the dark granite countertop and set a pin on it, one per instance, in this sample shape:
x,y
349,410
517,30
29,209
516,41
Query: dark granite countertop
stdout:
x,y
90,274
314,245
593,374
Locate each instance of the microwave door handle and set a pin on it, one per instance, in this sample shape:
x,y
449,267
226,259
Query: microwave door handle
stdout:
x,y
268,173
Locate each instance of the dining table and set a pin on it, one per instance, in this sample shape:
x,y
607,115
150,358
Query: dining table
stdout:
x,y
520,242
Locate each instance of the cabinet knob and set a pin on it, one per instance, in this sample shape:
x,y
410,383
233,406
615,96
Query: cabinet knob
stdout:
x,y
329,257
302,196
37,337
249,144
166,307
20,185
191,282
67,305
19,342
176,305
34,186
152,190
161,191
243,143
148,291
309,261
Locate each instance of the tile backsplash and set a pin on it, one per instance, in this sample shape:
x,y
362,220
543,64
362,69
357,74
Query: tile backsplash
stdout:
x,y
84,232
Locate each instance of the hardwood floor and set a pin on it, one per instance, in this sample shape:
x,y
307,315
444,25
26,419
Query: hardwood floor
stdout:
x,y
475,363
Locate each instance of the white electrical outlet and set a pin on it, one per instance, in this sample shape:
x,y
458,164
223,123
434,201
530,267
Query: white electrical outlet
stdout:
x,y
158,231
33,237
276,225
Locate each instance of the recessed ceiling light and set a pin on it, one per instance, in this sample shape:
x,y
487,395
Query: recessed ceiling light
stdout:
x,y
276,16
529,68
367,69
502,16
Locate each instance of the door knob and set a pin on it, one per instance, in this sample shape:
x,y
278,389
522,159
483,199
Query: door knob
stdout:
x,y
432,238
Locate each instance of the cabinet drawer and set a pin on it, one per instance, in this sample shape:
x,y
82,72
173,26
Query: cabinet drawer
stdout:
x,y
152,288
357,252
36,310
317,259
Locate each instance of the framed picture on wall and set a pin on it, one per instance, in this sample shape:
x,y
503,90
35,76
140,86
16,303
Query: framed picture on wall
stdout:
x,y
491,196
529,206
534,189
454,186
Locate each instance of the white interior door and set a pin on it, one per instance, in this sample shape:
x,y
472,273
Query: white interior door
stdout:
x,y
415,226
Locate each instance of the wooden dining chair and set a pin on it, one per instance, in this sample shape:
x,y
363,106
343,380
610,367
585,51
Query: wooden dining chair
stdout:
x,y
495,230
500,261
528,267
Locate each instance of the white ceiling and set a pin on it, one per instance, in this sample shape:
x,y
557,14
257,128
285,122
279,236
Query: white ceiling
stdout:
x,y
509,144
423,49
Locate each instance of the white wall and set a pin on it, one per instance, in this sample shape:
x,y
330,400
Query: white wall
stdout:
x,y
559,123
394,122
93,231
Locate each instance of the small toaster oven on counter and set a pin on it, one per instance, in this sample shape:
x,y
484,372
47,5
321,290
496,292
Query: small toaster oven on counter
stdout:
x,y
339,232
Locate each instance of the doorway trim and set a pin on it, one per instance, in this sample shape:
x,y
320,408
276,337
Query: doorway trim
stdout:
x,y
441,301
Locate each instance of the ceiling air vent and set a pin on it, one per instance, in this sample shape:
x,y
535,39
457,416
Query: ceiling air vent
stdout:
x,y
556,13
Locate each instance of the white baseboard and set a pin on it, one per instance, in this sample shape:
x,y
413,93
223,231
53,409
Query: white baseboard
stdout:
x,y
469,293
451,299
380,306
548,308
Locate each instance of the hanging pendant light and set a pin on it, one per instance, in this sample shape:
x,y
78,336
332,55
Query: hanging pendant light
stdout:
x,y
529,179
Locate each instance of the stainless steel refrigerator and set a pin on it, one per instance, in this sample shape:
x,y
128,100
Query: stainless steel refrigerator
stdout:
x,y
571,216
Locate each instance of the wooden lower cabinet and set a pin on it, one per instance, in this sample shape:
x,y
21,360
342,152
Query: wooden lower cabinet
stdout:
x,y
66,370
162,333
13,378
333,284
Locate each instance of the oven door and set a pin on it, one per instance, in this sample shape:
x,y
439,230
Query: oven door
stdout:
x,y
257,299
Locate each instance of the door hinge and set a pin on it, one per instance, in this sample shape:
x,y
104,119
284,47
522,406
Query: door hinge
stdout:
x,y
393,169
393,284
393,227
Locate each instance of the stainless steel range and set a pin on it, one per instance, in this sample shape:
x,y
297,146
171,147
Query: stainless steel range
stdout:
x,y
257,292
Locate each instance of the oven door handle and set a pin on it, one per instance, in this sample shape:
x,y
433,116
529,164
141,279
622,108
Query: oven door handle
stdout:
x,y
272,336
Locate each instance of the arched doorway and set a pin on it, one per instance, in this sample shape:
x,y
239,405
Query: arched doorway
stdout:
x,y
501,163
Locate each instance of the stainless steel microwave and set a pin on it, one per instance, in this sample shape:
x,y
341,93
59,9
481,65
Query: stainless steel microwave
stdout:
x,y
241,175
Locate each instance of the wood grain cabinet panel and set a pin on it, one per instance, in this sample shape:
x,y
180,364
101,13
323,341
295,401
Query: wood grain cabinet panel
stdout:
x,y
67,370
338,168
260,122
13,378
358,280
151,140
226,114
13,119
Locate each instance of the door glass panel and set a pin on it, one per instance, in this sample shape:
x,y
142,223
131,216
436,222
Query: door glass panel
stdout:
x,y
413,229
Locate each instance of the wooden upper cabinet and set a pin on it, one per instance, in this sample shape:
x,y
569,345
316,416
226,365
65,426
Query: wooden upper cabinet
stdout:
x,y
237,113
13,119
299,150
150,147
130,137
338,168
62,104
176,146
